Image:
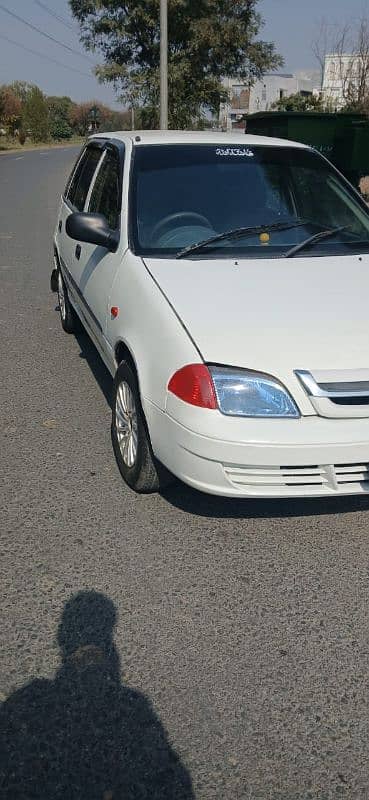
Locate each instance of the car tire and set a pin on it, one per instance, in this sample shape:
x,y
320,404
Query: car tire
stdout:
x,y
68,317
130,437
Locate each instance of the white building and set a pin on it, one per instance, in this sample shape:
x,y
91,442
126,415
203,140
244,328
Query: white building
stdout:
x,y
264,93
340,70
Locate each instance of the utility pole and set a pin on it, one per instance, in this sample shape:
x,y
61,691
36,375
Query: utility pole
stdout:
x,y
163,65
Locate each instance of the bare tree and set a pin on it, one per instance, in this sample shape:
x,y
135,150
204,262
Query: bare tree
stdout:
x,y
348,46
320,45
353,63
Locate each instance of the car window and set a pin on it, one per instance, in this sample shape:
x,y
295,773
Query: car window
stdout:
x,y
320,196
105,195
82,177
184,194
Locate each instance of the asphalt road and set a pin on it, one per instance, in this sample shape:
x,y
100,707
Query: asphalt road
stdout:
x,y
240,660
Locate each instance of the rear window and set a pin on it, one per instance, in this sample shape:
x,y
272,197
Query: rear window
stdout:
x,y
105,195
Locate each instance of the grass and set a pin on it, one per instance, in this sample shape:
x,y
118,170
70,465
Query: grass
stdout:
x,y
10,145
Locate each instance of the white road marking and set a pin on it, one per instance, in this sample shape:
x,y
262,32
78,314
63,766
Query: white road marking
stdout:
x,y
6,235
43,154
18,158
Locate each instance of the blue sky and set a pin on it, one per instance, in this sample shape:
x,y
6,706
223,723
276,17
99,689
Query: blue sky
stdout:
x,y
290,23
18,64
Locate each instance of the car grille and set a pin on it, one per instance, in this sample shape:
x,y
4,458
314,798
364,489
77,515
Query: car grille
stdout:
x,y
278,481
344,394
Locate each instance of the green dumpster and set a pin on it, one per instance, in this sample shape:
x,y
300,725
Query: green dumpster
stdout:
x,y
342,138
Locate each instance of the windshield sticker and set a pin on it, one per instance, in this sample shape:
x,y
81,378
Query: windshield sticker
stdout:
x,y
234,151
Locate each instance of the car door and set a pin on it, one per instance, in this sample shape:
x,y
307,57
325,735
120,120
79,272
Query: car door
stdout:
x,y
74,199
97,266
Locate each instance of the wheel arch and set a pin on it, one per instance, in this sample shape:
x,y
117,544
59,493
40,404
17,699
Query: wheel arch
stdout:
x,y
122,352
56,254
54,271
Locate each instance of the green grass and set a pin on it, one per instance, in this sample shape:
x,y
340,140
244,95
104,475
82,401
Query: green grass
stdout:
x,y
7,145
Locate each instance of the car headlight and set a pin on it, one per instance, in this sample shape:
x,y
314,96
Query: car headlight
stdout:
x,y
241,393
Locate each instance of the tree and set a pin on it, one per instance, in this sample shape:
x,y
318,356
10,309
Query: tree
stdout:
x,y
208,39
321,44
117,121
299,102
21,89
60,109
35,115
10,109
348,47
80,116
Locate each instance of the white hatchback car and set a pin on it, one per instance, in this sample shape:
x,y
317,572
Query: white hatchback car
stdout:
x,y
224,280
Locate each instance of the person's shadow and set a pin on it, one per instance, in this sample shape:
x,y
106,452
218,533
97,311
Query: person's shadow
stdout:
x,y
84,735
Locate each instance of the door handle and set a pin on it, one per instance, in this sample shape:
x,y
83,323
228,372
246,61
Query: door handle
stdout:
x,y
78,252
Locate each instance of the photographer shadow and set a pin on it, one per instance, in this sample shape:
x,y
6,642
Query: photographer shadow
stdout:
x,y
84,735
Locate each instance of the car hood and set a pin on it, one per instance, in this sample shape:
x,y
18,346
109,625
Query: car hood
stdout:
x,y
273,315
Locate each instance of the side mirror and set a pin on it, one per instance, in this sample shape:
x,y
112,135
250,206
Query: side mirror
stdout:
x,y
91,228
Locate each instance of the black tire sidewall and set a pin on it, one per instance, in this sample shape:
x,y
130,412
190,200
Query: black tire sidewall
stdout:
x,y
68,323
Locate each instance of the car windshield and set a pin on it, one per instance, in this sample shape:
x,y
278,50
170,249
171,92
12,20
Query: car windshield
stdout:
x,y
182,195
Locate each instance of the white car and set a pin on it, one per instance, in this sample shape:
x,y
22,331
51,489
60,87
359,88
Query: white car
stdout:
x,y
224,280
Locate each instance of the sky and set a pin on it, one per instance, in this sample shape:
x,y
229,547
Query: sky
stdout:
x,y
292,25
289,23
73,74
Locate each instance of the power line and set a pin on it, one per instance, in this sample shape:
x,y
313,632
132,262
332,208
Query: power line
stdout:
x,y
47,35
53,13
42,55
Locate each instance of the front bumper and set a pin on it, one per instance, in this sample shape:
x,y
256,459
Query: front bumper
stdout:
x,y
308,457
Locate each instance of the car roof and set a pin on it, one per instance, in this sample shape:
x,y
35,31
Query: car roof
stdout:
x,y
196,137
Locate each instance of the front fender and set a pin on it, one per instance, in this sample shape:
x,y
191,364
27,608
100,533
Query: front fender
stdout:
x,y
149,327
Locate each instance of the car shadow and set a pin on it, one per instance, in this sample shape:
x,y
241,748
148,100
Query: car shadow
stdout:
x,y
89,353
96,364
84,735
196,503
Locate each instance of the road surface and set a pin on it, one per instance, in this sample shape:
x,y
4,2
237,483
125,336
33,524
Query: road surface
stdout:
x,y
242,630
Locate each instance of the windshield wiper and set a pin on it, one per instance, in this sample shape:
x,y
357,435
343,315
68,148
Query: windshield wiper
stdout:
x,y
317,237
238,233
